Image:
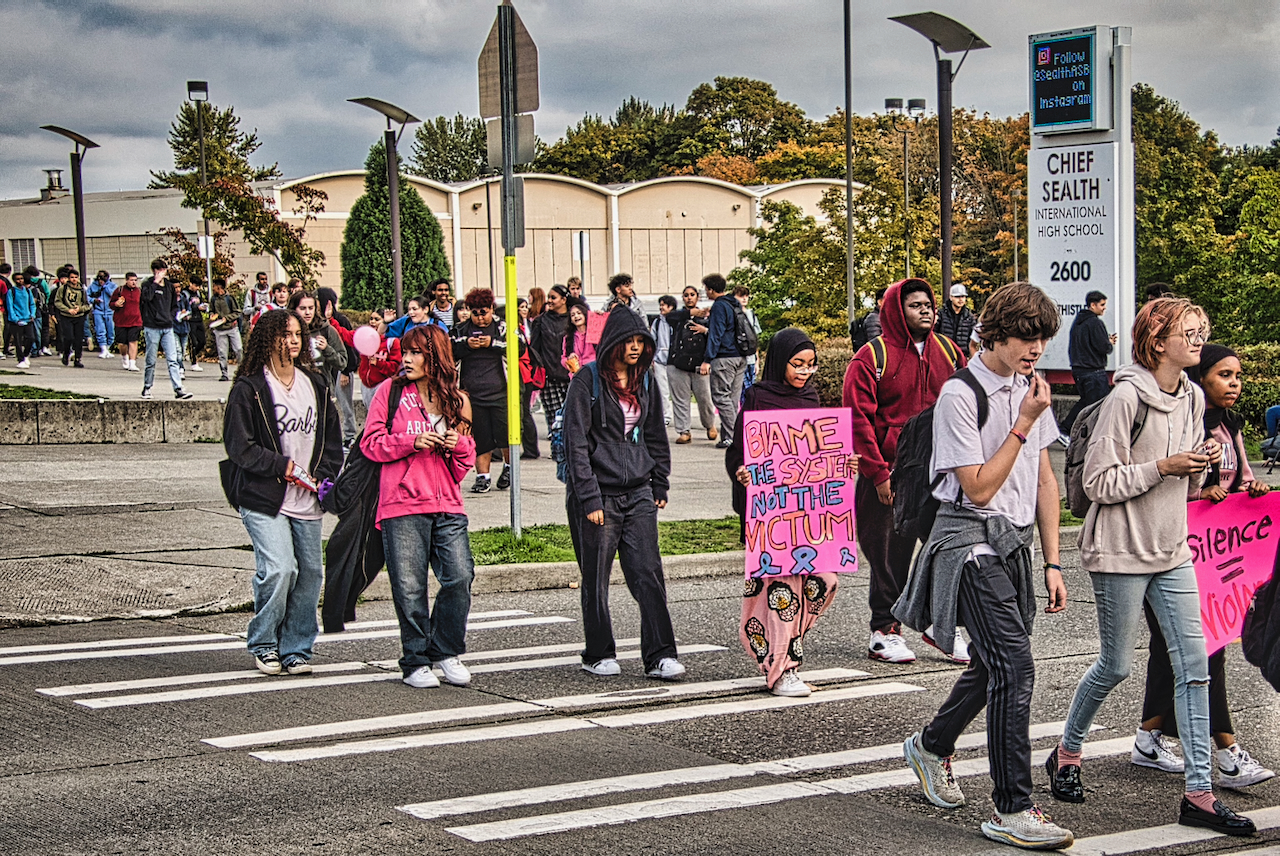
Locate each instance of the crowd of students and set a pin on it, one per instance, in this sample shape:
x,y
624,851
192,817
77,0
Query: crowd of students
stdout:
x,y
436,390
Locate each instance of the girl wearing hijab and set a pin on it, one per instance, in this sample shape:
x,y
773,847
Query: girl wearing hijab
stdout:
x,y
777,614
1219,377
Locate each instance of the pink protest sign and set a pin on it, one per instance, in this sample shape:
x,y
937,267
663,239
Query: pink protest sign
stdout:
x,y
1233,545
800,498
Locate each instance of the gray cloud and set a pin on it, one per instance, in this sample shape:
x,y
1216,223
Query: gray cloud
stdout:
x,y
116,69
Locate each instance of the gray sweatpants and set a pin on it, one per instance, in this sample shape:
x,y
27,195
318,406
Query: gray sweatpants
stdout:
x,y
683,384
727,375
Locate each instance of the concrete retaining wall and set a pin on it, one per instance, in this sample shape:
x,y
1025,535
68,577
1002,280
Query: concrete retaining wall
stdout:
x,y
61,421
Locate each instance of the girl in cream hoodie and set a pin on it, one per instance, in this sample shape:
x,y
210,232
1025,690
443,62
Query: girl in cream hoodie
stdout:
x,y
1134,546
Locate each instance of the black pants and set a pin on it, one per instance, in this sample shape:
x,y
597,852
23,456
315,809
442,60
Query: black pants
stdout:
x,y
630,530
24,338
10,329
528,428
196,342
888,553
71,336
1092,386
1160,684
1000,678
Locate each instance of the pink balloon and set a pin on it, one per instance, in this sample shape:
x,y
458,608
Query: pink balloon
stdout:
x,y
367,341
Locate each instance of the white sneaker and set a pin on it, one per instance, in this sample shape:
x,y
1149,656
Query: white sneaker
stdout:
x,y
1152,749
195,367
934,772
959,648
668,669
102,355
146,393
889,647
133,366
454,672
790,686
124,363
422,678
1237,769
1031,829
24,364
606,668
46,351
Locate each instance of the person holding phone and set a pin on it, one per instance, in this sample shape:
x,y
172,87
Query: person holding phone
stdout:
x,y
282,439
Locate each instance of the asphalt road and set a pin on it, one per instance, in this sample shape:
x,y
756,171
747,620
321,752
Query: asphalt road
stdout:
x,y
175,760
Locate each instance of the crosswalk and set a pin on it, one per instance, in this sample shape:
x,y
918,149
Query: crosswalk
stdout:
x,y
495,719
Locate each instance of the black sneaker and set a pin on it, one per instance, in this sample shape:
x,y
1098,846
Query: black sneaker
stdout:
x,y
268,663
79,364
504,480
182,395
723,444
224,377
482,485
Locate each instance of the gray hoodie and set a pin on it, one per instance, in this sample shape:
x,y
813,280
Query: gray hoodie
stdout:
x,y
1138,521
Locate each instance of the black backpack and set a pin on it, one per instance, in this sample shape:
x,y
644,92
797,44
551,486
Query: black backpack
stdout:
x,y
744,332
688,349
914,505
1260,635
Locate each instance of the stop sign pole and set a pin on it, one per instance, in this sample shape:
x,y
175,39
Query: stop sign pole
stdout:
x,y
508,68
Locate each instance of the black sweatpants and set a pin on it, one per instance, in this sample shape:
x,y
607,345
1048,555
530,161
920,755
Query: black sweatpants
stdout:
x,y
528,428
888,553
1000,678
1160,685
71,336
630,531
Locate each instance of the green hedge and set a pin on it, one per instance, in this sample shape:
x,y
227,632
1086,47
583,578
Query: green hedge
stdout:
x,y
834,356
1261,364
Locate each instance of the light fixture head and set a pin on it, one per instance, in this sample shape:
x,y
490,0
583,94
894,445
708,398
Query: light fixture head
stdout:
x,y
197,90
391,111
916,107
949,35
893,105
78,139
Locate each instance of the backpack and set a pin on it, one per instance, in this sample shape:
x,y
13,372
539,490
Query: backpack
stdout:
x,y
1081,431
688,349
858,332
1260,635
744,332
556,436
914,505
357,469
880,352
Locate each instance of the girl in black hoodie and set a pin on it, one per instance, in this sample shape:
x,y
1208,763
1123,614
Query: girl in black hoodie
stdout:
x,y
618,467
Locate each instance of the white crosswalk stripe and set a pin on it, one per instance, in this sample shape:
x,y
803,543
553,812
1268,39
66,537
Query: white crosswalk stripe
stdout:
x,y
731,799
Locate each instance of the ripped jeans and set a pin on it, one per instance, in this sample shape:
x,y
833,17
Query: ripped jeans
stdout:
x,y
1174,598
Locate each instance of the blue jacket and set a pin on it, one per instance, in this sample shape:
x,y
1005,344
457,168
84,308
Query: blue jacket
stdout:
x,y
20,305
397,328
722,329
100,295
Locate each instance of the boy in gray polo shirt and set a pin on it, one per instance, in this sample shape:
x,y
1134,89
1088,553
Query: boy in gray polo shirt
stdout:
x,y
975,569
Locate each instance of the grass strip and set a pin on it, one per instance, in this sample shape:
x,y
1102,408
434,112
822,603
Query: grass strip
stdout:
x,y
551,542
11,392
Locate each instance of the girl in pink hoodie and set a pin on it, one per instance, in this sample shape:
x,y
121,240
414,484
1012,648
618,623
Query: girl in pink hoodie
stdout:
x,y
424,457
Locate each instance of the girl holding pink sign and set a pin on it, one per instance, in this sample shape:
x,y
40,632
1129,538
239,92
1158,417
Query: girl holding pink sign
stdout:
x,y
778,611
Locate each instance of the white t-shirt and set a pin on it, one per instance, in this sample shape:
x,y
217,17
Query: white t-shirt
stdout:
x,y
958,443
296,422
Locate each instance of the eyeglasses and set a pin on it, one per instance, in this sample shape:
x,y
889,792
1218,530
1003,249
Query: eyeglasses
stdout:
x,y
481,311
1193,337
804,369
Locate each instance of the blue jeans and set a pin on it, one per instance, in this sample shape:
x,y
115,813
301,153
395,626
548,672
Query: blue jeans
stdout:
x,y
104,329
1175,600
286,589
155,339
411,542
181,348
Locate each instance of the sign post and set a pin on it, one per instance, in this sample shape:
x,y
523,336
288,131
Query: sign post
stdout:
x,y
1080,212
508,69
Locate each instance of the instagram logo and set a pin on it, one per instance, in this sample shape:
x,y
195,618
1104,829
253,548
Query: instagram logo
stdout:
x,y
1042,57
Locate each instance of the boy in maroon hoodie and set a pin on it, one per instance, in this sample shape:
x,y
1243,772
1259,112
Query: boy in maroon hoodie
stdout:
x,y
891,379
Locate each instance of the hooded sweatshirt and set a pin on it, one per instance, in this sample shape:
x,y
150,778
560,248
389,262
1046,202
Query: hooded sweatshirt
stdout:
x,y
603,457
910,383
1138,521
413,481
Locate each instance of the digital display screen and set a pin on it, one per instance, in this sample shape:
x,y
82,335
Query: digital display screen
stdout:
x,y
1063,83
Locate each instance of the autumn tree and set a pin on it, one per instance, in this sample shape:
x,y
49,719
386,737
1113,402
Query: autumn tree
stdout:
x,y
183,256
748,117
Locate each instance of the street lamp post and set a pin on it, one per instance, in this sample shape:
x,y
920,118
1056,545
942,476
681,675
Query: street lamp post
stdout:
x,y
391,141
848,161
947,36
1016,194
198,94
915,110
83,144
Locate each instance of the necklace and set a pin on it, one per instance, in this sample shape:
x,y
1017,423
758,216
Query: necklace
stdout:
x,y
288,387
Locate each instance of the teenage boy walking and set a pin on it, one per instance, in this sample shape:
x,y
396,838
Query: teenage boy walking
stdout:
x,y
159,303
975,569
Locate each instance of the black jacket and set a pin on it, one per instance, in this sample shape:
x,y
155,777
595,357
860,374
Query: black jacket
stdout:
x,y
546,344
482,372
255,477
956,326
159,303
1089,344
603,459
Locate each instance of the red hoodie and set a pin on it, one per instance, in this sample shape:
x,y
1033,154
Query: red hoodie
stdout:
x,y
910,383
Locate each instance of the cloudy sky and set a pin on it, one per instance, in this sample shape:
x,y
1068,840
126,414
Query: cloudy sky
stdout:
x,y
115,70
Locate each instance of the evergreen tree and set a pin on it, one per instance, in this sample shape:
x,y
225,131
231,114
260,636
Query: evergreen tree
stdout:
x,y
368,279
447,150
226,149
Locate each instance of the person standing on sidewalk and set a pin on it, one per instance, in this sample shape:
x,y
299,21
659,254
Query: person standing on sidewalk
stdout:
x,y
127,309
72,304
955,319
425,455
688,350
725,364
531,380
442,304
104,331
282,440
159,304
891,379
480,348
20,314
1088,349
224,320
1134,546
343,388
197,306
618,469
383,364
661,331
622,292
992,429
546,348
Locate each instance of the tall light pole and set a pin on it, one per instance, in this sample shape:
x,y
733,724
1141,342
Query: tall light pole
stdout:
x,y
391,141
198,94
83,144
848,162
915,110
947,36
1016,194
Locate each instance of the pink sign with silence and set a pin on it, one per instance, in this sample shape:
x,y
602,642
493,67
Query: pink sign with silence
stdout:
x,y
1233,544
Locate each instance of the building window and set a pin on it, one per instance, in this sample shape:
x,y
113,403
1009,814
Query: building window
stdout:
x,y
24,252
